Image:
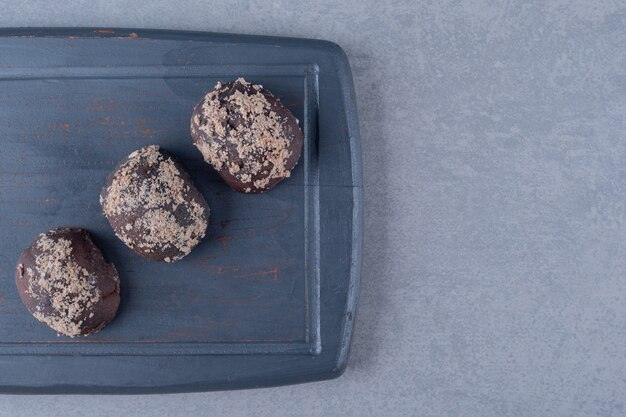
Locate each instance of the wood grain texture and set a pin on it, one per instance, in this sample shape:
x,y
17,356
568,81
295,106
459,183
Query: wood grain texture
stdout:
x,y
273,283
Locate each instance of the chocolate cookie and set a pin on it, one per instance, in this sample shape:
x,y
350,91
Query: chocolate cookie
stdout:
x,y
153,206
64,282
247,135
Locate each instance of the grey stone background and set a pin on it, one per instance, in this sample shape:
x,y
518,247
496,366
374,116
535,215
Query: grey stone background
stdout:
x,y
494,148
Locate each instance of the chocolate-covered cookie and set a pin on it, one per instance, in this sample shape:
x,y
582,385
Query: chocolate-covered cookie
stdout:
x,y
247,135
153,206
64,281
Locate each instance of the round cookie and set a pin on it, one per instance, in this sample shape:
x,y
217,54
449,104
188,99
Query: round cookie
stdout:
x,y
247,135
64,281
153,206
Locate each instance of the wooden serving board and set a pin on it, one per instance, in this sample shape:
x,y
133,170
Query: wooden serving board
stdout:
x,y
267,298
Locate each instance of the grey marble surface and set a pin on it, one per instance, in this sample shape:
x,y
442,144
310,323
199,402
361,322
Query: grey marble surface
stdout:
x,y
494,147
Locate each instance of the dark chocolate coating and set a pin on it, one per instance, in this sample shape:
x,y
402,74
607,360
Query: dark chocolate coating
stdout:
x,y
97,280
234,120
185,204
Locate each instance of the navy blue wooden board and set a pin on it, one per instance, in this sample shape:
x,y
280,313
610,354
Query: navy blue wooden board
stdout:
x,y
269,296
